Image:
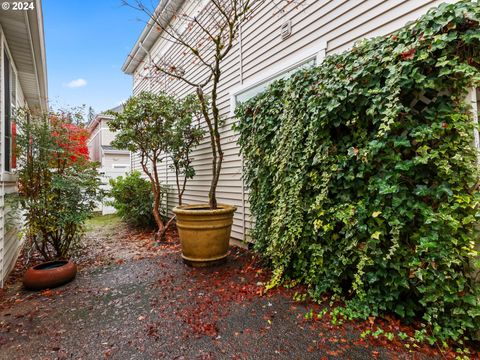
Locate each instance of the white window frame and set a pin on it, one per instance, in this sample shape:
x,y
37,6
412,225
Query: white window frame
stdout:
x,y
315,52
6,175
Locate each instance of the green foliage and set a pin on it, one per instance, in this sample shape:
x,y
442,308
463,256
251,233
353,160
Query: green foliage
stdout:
x,y
57,189
154,126
183,136
133,199
143,124
363,173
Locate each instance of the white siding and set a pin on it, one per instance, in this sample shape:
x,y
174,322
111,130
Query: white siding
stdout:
x,y
110,160
10,243
336,23
107,135
105,175
10,229
94,143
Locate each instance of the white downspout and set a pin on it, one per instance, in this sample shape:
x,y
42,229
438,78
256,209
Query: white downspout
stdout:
x,y
240,50
473,98
150,65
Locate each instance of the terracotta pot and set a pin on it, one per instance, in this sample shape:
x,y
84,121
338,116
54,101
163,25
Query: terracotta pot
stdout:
x,y
49,274
204,233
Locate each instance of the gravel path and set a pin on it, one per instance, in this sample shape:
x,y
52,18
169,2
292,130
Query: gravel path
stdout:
x,y
133,300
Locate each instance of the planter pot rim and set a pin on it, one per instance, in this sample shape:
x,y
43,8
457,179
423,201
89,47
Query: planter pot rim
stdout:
x,y
204,209
41,277
41,265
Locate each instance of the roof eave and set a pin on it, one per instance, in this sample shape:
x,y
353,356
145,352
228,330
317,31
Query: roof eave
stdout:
x,y
165,10
118,152
37,39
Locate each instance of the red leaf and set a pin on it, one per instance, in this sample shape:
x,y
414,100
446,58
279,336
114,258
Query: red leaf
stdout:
x,y
409,54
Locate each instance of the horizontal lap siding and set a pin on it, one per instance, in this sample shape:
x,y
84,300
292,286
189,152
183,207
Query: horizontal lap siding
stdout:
x,y
339,23
10,224
10,243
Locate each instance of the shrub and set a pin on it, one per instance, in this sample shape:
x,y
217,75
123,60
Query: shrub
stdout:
x,y
133,199
58,186
363,173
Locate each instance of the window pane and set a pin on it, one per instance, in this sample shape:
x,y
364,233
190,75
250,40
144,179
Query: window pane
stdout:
x,y
14,145
8,112
13,87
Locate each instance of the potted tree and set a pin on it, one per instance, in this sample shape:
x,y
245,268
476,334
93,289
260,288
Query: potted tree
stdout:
x,y
206,39
58,190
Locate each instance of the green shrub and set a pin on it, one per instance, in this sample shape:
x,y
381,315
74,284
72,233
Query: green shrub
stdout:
x,y
58,185
133,199
363,173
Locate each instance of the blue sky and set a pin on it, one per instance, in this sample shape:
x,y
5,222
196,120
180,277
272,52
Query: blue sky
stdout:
x,y
87,42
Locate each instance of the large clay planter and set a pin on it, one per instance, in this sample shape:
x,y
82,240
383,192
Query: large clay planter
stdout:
x,y
49,275
204,233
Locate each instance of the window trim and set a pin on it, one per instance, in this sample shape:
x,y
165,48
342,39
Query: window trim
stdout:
x,y
315,52
7,112
6,175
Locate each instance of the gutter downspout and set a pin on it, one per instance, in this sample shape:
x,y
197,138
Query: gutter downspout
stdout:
x,y
244,219
150,66
240,50
473,99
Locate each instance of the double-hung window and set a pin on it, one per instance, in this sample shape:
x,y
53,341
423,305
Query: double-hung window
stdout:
x,y
303,58
260,87
10,101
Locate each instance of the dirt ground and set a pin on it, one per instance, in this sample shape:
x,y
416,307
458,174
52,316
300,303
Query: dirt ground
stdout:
x,y
135,299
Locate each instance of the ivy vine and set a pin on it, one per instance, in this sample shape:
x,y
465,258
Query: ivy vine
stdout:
x,y
363,173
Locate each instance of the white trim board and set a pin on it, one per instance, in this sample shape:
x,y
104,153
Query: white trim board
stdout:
x,y
315,51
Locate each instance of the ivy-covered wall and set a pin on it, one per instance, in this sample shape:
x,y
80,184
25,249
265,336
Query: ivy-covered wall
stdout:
x,y
363,173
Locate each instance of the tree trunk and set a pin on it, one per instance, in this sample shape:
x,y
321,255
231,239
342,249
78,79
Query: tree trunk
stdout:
x,y
213,145
216,135
160,236
156,198
156,212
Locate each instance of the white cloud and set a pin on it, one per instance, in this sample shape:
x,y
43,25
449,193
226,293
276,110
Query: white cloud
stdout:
x,y
77,83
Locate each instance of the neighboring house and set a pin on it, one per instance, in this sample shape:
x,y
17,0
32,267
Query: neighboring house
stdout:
x,y
113,162
276,41
23,82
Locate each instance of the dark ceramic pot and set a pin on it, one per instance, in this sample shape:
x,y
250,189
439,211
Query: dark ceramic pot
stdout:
x,y
49,275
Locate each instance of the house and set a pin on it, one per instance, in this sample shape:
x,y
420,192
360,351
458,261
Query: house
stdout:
x,y
23,82
113,162
281,37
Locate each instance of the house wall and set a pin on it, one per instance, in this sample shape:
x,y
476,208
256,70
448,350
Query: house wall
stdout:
x,y
107,135
110,160
101,135
94,144
318,28
10,243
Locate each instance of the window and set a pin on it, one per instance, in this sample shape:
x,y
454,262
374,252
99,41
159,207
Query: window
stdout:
x,y
262,86
8,110
302,58
10,103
